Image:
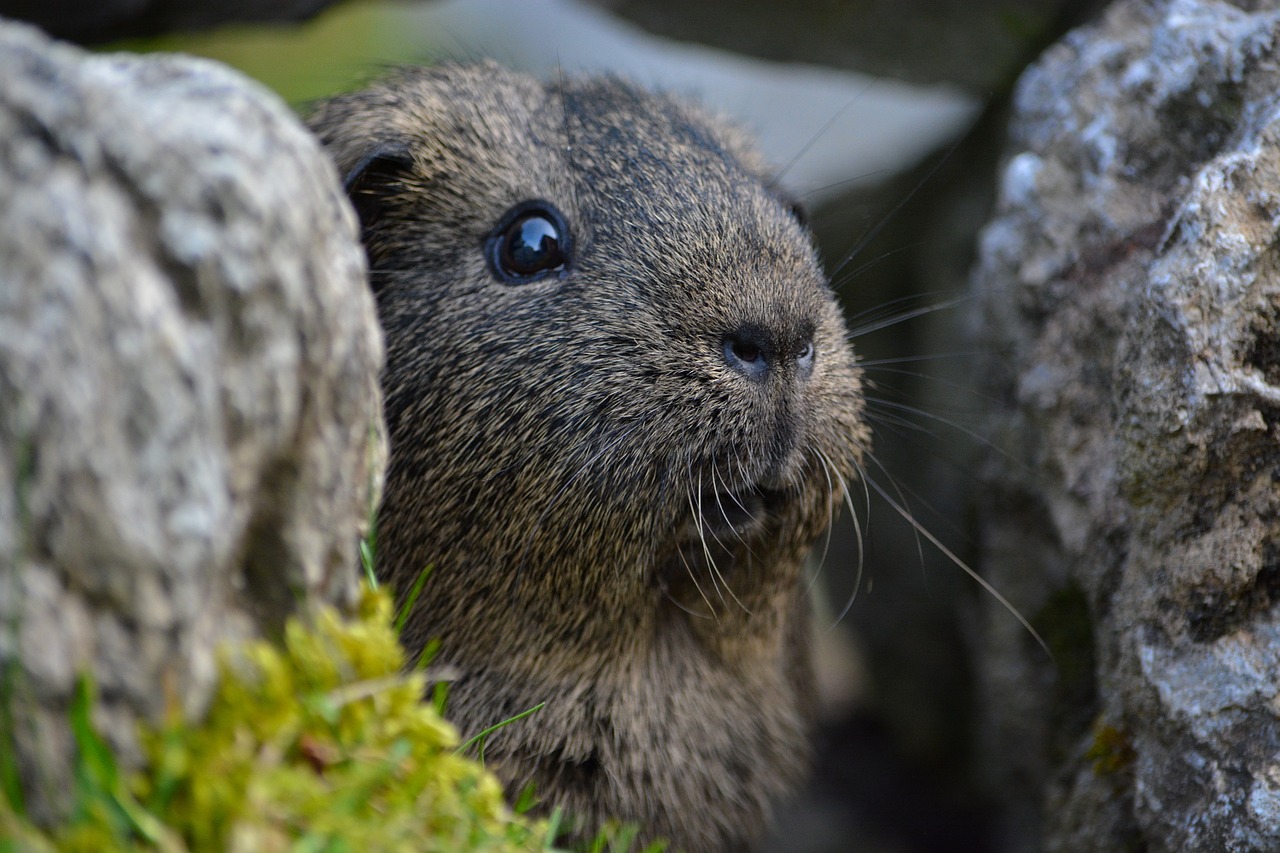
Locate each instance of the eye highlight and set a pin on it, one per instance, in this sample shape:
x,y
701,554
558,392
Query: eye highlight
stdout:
x,y
530,243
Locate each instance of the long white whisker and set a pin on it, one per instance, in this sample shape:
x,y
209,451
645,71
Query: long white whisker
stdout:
x,y
875,326
906,359
902,498
711,611
983,582
873,402
848,276
669,597
880,311
902,425
826,544
696,509
857,529
706,549
861,176
720,506
822,131
871,233
934,381
725,515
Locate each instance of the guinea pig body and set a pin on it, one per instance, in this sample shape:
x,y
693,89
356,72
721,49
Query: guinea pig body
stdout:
x,y
621,407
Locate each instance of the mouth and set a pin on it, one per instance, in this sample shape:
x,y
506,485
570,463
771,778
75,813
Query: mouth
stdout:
x,y
721,531
728,517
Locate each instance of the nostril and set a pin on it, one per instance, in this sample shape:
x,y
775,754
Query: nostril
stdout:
x,y
745,352
804,357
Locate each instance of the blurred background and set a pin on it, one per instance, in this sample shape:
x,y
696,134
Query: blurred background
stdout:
x,y
887,119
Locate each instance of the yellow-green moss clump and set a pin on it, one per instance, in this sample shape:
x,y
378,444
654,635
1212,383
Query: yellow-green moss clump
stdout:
x,y
322,745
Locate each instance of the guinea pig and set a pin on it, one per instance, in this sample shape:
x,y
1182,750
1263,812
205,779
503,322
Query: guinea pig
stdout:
x,y
622,406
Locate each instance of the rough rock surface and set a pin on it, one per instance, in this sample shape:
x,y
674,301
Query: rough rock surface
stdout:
x,y
189,418
1131,284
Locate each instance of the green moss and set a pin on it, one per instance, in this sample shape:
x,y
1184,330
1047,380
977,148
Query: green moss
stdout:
x,y
1111,752
323,744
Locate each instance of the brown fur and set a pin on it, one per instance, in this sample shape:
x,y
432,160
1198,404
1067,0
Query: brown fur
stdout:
x,y
551,442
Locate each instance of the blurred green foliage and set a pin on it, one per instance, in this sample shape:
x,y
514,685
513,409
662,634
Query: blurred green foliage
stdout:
x,y
349,44
323,744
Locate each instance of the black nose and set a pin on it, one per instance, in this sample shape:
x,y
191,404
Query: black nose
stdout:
x,y
754,351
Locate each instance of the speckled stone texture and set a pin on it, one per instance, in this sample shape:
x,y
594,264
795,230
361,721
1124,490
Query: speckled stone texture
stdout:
x,y
1130,284
190,424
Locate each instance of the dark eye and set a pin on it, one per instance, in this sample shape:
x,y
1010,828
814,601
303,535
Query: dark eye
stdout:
x,y
530,243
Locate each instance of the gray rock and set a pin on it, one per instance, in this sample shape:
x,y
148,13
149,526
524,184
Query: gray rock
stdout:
x,y
1131,283
190,425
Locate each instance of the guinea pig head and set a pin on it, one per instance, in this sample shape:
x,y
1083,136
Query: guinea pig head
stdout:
x,y
614,364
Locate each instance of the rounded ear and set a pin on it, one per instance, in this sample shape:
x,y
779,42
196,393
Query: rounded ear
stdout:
x,y
378,176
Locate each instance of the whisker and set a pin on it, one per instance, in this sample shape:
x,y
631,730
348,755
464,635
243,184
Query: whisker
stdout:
x,y
909,432
720,505
742,469
725,515
711,611
882,309
669,597
859,178
871,234
981,581
850,275
832,505
902,498
874,402
857,529
907,359
696,509
938,517
936,380
568,134
822,131
868,328
826,543
883,421
706,550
